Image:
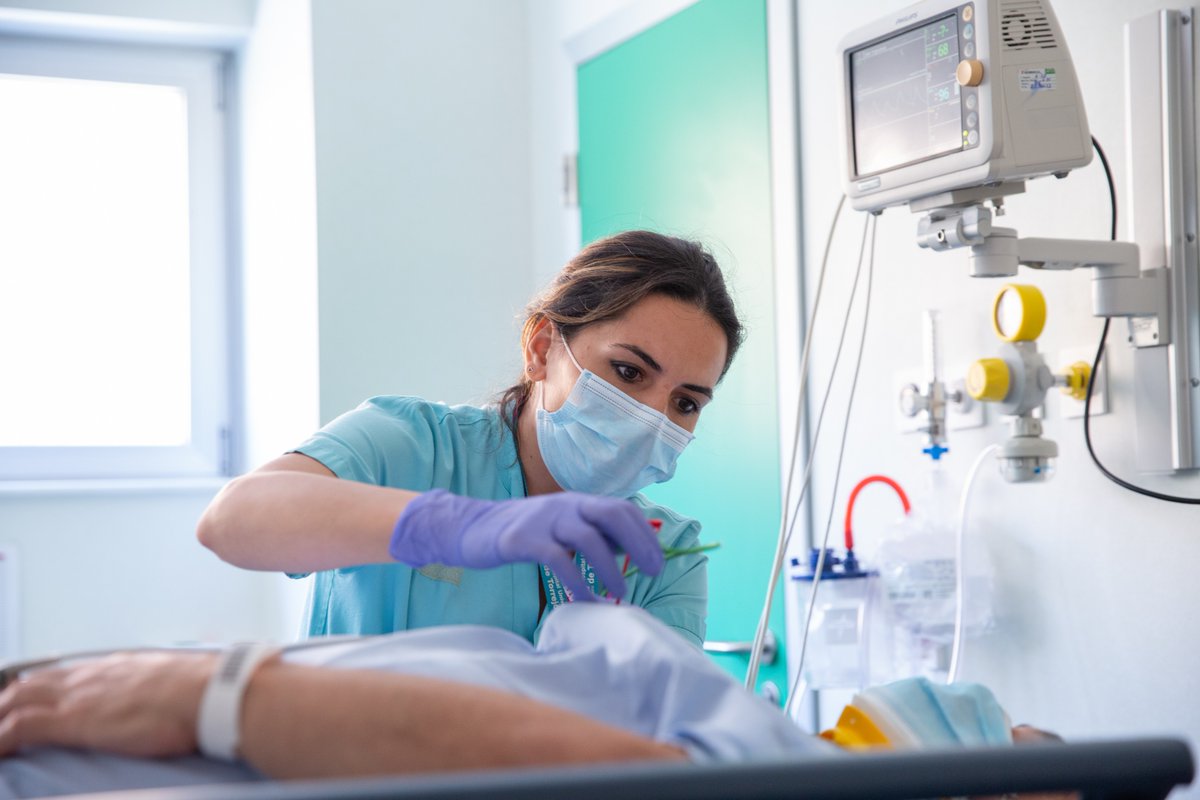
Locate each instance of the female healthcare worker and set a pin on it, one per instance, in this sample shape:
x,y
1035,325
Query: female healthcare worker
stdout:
x,y
460,514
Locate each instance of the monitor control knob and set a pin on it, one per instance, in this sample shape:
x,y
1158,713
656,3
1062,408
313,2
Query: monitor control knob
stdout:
x,y
969,72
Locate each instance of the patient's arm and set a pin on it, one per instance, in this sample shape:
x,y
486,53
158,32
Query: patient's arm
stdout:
x,y
300,721
413,724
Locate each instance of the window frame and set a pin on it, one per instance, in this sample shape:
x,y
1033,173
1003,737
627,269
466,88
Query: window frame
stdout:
x,y
201,73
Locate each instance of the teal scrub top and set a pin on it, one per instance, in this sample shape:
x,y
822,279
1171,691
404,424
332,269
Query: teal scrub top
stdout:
x,y
410,443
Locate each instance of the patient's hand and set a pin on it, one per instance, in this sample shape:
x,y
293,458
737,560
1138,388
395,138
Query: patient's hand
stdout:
x,y
142,704
1027,734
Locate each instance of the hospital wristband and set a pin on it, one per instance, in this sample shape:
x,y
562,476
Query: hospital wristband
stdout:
x,y
218,722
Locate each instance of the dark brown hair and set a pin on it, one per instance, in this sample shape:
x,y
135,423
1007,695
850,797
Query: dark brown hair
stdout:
x,y
610,275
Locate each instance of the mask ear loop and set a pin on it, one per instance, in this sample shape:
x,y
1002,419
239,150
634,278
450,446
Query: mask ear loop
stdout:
x,y
567,347
541,398
540,388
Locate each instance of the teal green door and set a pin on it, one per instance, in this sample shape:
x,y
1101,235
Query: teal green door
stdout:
x,y
674,137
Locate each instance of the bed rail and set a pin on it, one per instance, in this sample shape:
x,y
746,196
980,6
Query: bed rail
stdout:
x,y
1134,769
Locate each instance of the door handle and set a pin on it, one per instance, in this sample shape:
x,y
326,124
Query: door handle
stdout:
x,y
770,648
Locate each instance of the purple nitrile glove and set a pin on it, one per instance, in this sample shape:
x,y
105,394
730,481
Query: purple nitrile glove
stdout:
x,y
444,528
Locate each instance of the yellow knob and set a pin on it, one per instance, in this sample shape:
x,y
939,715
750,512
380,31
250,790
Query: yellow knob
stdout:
x,y
988,380
1019,313
856,731
969,72
1078,375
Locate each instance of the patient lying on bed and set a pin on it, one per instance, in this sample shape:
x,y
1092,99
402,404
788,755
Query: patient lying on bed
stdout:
x,y
603,683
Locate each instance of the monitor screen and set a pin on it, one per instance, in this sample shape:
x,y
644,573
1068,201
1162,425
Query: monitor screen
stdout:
x,y
906,105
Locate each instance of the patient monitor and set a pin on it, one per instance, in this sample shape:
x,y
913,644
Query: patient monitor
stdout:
x,y
947,95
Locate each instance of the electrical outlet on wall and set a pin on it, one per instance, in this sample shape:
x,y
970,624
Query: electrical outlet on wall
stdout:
x,y
1069,407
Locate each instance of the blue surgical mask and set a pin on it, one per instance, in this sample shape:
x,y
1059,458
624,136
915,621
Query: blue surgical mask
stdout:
x,y
602,441
916,711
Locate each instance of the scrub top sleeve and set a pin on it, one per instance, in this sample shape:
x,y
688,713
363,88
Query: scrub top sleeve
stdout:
x,y
388,441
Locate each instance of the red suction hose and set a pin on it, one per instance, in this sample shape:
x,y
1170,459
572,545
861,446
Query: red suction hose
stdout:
x,y
854,495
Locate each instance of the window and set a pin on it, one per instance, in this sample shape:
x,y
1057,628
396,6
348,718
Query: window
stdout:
x,y
114,333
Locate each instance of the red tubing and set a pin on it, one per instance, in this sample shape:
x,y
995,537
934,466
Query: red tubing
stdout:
x,y
854,495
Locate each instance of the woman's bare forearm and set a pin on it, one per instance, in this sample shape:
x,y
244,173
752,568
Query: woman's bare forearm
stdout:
x,y
302,722
300,521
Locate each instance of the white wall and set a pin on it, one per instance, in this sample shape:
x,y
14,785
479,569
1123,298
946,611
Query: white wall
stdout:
x,y
422,152
553,124
386,211
279,354
114,568
212,22
233,13
553,27
279,231
1096,596
117,563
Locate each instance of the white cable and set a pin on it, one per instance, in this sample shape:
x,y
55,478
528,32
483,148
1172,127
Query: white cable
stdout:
x,y
761,632
868,230
798,678
788,524
960,577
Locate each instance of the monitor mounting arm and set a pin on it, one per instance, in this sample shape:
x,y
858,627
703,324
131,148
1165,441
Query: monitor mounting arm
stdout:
x,y
1119,287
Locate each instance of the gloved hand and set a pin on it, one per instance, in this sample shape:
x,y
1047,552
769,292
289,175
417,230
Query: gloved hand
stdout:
x,y
440,527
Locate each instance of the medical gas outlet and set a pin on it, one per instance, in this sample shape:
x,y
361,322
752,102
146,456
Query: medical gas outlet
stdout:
x,y
1017,380
933,401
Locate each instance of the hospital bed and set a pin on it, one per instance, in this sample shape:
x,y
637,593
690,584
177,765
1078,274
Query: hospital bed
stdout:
x,y
1136,769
